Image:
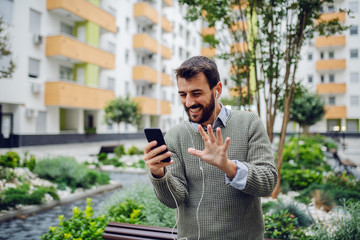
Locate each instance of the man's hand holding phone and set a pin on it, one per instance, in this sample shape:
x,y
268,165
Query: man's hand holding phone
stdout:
x,y
156,155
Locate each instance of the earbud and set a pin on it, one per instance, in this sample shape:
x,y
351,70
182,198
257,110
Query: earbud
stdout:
x,y
216,95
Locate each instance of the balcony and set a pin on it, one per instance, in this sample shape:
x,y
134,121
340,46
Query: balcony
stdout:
x,y
168,3
145,73
335,112
63,46
238,47
84,10
331,88
208,31
146,13
333,64
331,41
208,52
166,52
331,16
145,43
150,106
65,94
239,26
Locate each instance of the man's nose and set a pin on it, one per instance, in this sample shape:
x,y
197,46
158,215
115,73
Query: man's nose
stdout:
x,y
189,101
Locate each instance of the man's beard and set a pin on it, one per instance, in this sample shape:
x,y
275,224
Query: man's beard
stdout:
x,y
206,111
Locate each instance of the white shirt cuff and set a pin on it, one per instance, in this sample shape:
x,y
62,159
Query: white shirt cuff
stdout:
x,y
239,181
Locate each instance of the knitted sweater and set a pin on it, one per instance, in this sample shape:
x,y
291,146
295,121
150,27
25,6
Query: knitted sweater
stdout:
x,y
224,212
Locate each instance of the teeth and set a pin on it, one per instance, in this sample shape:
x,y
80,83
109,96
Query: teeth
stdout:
x,y
194,110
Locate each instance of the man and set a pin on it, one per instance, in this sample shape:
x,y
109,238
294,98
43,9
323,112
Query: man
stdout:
x,y
215,183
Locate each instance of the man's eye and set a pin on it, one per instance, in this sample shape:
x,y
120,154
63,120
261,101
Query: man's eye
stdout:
x,y
196,94
182,95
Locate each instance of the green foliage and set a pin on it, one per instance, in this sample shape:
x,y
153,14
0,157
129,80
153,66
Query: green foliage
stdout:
x,y
119,151
82,225
299,179
282,226
347,227
20,195
102,157
6,68
7,174
65,171
122,110
154,213
128,211
10,159
29,161
134,151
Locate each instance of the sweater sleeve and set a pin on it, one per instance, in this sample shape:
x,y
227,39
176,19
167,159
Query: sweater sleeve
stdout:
x,y
262,173
171,190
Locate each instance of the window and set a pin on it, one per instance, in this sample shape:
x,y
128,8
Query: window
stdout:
x,y
354,30
180,52
331,78
112,11
127,88
67,29
354,6
331,100
6,9
322,78
111,83
331,55
321,55
352,125
34,68
127,56
66,73
354,53
354,77
331,8
181,30
127,24
310,79
111,47
354,101
310,56
35,21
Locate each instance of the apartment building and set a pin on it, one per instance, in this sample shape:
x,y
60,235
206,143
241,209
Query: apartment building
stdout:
x,y
72,57
330,67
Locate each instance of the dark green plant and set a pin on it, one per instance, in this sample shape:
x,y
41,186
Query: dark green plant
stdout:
x,y
10,159
7,174
102,157
134,151
65,171
82,225
128,211
282,226
7,67
11,197
90,130
29,161
300,179
119,151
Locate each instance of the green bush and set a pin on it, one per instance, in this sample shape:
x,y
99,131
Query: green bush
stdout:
x,y
82,225
29,162
102,157
20,195
134,151
10,160
299,179
65,171
282,226
7,174
119,151
128,211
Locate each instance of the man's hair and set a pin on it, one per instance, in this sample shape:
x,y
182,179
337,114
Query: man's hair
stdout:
x,y
196,65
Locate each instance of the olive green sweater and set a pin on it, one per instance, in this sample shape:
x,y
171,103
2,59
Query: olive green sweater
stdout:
x,y
224,212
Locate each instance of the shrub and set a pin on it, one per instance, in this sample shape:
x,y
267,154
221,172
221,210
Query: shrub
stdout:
x,y
346,227
20,195
65,171
134,151
119,151
282,226
299,179
82,225
102,157
128,211
10,160
7,174
29,161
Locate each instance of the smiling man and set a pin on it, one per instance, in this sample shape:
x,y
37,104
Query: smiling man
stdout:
x,y
216,184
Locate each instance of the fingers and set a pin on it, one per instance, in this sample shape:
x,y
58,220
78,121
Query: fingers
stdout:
x,y
219,136
212,137
195,152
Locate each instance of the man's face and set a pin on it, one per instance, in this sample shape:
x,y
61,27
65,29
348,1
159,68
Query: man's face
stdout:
x,y
198,99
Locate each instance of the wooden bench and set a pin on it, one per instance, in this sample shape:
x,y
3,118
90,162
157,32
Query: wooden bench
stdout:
x,y
127,231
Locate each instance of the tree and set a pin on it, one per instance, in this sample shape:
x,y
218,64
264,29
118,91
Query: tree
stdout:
x,y
263,39
121,110
7,66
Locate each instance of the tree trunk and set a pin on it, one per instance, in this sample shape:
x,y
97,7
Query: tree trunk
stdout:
x,y
279,155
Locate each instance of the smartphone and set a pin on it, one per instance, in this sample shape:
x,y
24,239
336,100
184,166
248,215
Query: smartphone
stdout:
x,y
156,134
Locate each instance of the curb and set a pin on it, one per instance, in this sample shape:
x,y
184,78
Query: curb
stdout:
x,y
28,210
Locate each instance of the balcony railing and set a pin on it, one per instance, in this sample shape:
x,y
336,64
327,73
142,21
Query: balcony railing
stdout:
x,y
145,11
66,94
335,112
331,41
149,106
238,47
332,64
61,45
331,16
208,52
331,88
85,10
208,31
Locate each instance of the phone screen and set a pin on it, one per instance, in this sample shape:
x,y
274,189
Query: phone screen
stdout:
x,y
156,134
